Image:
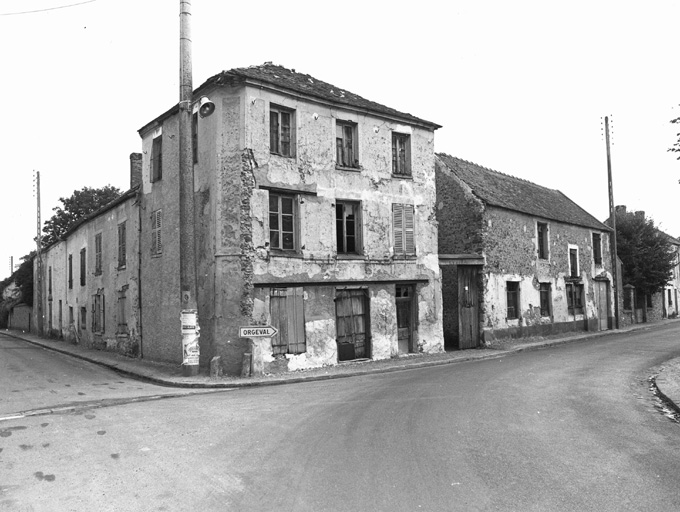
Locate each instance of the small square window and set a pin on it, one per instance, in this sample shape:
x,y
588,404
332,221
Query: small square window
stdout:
x,y
346,151
281,129
401,154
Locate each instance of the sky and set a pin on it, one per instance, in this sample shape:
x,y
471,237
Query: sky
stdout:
x,y
521,87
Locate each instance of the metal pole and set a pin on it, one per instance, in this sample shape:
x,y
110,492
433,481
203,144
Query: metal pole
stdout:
x,y
612,221
186,185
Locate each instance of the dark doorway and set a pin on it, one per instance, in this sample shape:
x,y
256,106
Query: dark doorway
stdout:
x,y
405,321
468,307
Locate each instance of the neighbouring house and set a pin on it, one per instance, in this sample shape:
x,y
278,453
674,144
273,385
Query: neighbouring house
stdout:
x,y
517,259
638,307
314,213
90,277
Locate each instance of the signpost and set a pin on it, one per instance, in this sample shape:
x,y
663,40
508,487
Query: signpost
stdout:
x,y
257,331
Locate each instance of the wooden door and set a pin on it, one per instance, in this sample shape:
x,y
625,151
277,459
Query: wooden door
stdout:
x,y
602,298
468,307
404,300
351,317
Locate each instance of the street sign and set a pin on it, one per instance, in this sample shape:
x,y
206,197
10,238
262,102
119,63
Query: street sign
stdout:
x,y
257,331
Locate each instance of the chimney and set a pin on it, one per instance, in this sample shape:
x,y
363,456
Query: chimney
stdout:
x,y
621,208
135,169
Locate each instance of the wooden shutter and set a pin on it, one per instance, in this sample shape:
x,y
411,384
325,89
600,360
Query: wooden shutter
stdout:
x,y
398,227
156,224
287,315
409,230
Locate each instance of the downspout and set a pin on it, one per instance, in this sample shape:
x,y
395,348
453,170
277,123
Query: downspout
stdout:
x,y
139,270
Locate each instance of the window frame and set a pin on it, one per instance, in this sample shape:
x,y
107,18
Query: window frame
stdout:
x,y
83,266
341,143
542,240
98,254
574,273
280,197
574,292
403,230
545,299
276,135
70,271
121,320
356,209
156,163
512,300
122,245
597,248
396,168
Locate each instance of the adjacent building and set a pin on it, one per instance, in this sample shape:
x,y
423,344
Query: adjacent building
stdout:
x,y
517,259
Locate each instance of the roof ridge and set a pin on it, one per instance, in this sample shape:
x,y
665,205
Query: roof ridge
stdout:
x,y
504,174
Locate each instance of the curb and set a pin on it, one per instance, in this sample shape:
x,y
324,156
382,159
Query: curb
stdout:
x,y
367,370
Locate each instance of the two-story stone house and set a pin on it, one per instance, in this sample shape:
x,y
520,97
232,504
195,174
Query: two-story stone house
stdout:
x,y
518,259
314,214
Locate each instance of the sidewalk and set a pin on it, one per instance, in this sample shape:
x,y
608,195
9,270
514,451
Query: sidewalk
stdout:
x,y
668,381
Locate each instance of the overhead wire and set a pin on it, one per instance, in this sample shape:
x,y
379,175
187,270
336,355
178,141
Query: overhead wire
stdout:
x,y
46,9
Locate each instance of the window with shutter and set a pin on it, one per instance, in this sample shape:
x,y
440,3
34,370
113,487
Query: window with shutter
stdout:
x,y
98,254
287,315
156,225
122,245
403,223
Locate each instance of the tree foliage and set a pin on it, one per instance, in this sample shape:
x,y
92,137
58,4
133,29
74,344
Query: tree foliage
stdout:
x,y
77,207
675,148
647,254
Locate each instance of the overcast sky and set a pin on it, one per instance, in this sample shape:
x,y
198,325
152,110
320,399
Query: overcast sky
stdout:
x,y
520,87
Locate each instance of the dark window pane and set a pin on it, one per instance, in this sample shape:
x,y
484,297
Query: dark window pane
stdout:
x,y
288,241
287,205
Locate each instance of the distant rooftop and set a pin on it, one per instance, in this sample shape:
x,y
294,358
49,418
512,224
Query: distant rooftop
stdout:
x,y
505,191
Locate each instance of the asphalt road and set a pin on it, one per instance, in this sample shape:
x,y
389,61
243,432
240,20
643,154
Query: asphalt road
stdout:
x,y
33,378
573,427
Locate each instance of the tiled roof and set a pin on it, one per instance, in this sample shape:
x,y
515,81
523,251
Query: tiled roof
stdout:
x,y
504,191
305,84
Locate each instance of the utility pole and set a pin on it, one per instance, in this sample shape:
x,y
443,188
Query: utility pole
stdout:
x,y
187,263
38,258
612,221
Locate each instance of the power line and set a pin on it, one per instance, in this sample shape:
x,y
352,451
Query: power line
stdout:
x,y
48,9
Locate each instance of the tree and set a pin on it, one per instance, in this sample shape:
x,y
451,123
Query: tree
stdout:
x,y
77,207
675,148
647,254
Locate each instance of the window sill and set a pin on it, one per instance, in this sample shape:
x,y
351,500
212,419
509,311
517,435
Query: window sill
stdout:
x,y
351,257
403,176
292,157
408,257
285,254
351,169
122,267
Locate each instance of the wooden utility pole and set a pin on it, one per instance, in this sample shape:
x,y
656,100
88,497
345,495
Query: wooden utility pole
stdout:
x,y
612,222
38,259
187,239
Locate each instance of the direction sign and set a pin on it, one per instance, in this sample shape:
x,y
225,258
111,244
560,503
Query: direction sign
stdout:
x,y
257,331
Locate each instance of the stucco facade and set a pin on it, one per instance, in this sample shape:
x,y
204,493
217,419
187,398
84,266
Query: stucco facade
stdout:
x,y
539,264
295,236
90,284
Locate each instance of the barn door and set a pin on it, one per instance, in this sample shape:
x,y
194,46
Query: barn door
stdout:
x,y
468,307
